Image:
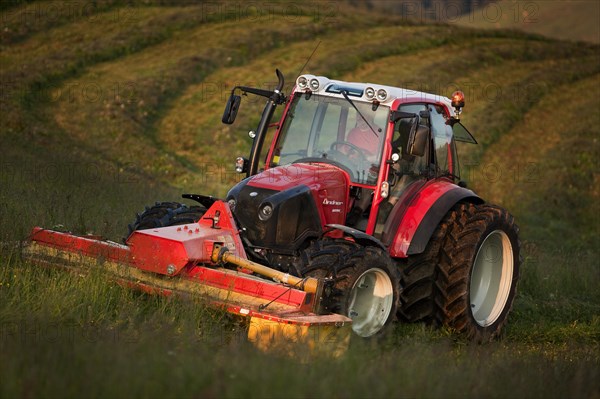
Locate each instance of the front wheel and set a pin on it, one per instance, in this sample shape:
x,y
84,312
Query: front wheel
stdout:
x,y
163,214
365,283
370,301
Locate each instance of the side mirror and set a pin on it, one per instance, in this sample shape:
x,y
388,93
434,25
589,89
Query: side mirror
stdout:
x,y
419,141
231,109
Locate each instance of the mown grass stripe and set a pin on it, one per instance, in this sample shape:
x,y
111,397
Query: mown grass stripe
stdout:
x,y
157,80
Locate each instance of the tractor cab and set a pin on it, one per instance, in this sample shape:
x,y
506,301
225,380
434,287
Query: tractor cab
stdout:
x,y
335,126
357,152
384,138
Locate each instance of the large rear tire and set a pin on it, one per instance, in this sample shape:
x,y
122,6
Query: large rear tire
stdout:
x,y
164,214
467,277
365,283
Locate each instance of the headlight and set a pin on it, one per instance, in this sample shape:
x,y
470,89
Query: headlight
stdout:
x,y
265,212
381,95
231,203
370,93
314,84
302,82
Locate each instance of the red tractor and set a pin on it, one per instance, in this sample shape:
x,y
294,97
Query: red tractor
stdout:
x,y
360,198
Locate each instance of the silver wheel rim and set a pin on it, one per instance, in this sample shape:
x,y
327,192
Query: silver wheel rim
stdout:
x,y
371,299
491,278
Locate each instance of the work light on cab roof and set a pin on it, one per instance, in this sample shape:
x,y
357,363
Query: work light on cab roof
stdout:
x,y
458,102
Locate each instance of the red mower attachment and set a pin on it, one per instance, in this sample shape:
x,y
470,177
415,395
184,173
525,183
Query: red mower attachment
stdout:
x,y
197,259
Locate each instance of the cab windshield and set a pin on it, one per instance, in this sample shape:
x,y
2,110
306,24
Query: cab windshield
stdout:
x,y
330,130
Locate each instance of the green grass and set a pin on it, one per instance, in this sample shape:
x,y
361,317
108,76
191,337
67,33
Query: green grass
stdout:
x,y
90,337
87,164
128,129
552,192
83,194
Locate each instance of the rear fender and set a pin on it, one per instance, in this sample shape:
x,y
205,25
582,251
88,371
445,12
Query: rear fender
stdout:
x,y
424,214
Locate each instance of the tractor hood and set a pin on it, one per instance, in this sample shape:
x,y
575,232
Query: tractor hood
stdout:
x,y
317,176
283,206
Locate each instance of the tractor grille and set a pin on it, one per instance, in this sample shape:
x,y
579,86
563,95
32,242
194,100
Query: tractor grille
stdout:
x,y
293,220
246,211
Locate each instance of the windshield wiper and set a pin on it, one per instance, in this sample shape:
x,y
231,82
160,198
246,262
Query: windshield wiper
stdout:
x,y
345,94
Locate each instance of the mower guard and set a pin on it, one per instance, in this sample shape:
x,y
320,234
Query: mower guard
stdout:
x,y
189,260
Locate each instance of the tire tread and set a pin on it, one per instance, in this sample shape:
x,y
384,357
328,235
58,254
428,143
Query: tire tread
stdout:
x,y
436,282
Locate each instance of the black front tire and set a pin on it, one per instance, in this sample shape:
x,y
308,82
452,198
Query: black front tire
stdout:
x,y
164,214
365,283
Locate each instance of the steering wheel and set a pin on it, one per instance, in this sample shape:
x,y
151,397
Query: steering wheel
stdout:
x,y
354,148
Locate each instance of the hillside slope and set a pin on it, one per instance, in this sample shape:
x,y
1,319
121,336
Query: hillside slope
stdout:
x,y
576,20
106,109
130,97
102,113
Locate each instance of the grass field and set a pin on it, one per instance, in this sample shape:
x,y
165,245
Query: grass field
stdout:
x,y
108,108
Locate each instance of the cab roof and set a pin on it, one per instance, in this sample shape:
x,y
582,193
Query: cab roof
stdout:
x,y
364,91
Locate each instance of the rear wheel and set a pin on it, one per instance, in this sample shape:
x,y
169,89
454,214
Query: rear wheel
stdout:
x,y
164,214
491,278
466,279
365,283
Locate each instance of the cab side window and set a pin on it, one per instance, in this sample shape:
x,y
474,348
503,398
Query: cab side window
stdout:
x,y
444,145
418,165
